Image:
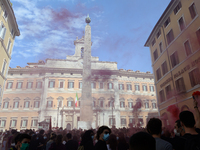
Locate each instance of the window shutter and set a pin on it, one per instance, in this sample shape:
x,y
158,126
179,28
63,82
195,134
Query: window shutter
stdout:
x,y
15,123
34,104
13,104
3,104
8,105
26,122
112,85
68,85
72,103
135,87
36,84
10,123
7,85
38,104
130,87
17,86
51,103
143,88
123,86
21,123
108,85
94,85
24,104
127,87
28,104
138,87
49,84
31,123
40,85
27,85
53,84
73,84
79,85
31,84
119,86
18,105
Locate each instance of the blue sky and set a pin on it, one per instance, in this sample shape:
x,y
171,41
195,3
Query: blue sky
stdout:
x,y
120,29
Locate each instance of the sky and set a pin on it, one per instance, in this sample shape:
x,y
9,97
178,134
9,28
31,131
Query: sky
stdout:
x,y
119,30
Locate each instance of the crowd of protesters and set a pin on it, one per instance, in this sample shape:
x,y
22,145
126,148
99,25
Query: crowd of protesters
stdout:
x,y
185,136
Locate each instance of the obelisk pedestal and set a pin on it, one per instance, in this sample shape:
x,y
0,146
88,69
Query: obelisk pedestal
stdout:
x,y
86,111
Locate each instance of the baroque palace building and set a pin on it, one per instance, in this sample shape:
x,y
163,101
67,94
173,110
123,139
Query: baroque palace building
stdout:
x,y
8,31
175,52
54,84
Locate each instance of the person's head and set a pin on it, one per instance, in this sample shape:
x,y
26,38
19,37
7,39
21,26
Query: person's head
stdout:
x,y
103,133
23,141
69,136
41,132
187,119
87,136
13,131
142,141
154,126
53,136
59,139
177,128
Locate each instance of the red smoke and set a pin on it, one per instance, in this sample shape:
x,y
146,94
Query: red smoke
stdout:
x,y
174,111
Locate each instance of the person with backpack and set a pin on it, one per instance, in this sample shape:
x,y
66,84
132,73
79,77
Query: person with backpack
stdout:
x,y
191,136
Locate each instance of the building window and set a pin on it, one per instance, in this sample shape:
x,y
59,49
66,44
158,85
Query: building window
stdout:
x,y
80,85
110,85
180,85
101,85
60,103
9,85
101,103
51,84
198,35
158,74
39,85
158,34
34,123
8,47
194,77
162,96
140,121
146,105
111,121
2,30
49,104
181,24
164,68
19,85
129,86
192,11
36,104
61,84
131,121
123,121
155,54
121,86
4,67
82,52
29,85
13,123
170,36
177,8
5,15
16,105
137,87
151,87
24,123
93,85
174,59
187,48
168,91
70,103
130,104
153,42
154,105
3,123
5,105
122,104
70,85
94,104
110,104
12,32
167,22
161,47
26,104
144,87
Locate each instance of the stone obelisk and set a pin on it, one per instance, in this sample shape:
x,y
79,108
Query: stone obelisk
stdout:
x,y
86,112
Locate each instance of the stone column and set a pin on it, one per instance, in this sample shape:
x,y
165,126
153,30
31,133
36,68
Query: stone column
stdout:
x,y
86,112
63,120
116,96
44,99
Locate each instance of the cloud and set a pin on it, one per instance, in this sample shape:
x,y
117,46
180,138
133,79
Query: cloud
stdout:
x,y
47,32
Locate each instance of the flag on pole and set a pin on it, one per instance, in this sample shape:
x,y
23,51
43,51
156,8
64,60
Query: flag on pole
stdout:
x,y
76,100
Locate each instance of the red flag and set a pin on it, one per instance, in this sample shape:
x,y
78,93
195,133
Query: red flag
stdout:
x,y
50,124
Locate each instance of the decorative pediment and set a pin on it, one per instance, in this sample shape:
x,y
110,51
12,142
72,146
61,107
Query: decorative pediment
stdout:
x,y
50,98
122,99
6,99
101,98
153,101
70,99
146,100
37,98
130,100
27,99
60,98
16,99
111,98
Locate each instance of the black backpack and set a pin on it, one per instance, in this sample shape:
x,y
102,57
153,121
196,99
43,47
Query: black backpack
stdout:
x,y
192,143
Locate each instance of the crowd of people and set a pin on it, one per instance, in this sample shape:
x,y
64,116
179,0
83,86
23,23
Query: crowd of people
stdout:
x,y
185,136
